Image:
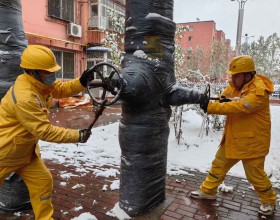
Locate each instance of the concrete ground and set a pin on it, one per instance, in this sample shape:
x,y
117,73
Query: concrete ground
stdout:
x,y
242,204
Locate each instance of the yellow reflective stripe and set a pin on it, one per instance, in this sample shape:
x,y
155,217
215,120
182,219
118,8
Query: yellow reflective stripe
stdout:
x,y
13,95
45,198
247,104
211,174
265,190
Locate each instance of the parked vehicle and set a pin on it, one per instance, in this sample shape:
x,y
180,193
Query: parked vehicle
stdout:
x,y
276,93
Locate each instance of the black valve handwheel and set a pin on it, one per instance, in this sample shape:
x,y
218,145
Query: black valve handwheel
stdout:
x,y
110,81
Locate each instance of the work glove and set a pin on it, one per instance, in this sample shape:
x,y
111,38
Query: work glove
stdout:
x,y
203,102
224,99
86,77
84,135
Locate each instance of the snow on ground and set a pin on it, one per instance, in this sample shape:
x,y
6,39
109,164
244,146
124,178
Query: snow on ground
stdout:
x,y
193,152
118,213
85,216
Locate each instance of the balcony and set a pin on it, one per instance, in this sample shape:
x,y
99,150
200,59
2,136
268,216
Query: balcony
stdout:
x,y
94,37
93,22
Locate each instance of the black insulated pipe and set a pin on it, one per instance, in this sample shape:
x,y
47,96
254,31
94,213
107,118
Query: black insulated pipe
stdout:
x,y
12,43
150,89
14,195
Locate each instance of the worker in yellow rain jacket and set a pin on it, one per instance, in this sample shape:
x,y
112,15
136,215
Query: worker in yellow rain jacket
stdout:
x,y
247,132
23,121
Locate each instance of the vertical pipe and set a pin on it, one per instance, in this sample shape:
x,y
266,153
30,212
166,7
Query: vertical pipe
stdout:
x,y
12,43
14,194
148,70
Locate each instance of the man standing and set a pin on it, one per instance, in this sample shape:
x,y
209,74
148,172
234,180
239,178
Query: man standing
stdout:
x,y
247,132
23,122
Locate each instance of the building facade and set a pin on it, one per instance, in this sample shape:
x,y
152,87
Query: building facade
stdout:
x,y
203,35
69,28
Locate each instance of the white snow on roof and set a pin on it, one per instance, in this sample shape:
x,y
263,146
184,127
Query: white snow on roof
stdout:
x,y
98,49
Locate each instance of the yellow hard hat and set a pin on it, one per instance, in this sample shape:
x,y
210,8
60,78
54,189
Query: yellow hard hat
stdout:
x,y
241,64
37,57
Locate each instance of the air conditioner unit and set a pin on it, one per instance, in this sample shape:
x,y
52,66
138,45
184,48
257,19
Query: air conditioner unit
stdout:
x,y
74,30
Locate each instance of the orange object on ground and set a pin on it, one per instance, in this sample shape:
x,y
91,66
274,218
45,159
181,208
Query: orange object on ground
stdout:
x,y
75,102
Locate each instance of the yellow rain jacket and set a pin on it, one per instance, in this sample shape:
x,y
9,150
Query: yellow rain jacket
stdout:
x,y
247,128
23,119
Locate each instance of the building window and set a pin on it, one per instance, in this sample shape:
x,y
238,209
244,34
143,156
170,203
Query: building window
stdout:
x,y
62,9
67,62
94,10
190,38
190,49
190,28
97,57
99,13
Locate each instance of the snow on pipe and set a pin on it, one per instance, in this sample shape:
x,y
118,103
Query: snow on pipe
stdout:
x,y
150,89
12,43
14,194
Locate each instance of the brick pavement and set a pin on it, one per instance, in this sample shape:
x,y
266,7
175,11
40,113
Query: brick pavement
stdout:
x,y
242,204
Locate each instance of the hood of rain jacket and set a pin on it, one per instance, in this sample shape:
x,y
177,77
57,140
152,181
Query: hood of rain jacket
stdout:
x,y
248,126
23,119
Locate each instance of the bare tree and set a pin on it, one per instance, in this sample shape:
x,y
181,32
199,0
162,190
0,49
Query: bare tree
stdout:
x,y
114,38
180,53
219,59
266,54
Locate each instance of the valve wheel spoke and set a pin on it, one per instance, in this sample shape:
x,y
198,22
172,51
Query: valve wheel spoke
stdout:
x,y
106,84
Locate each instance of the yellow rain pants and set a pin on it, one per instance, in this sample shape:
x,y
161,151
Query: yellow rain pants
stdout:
x,y
39,182
254,170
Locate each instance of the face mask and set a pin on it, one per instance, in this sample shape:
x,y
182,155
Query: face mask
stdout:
x,y
50,79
